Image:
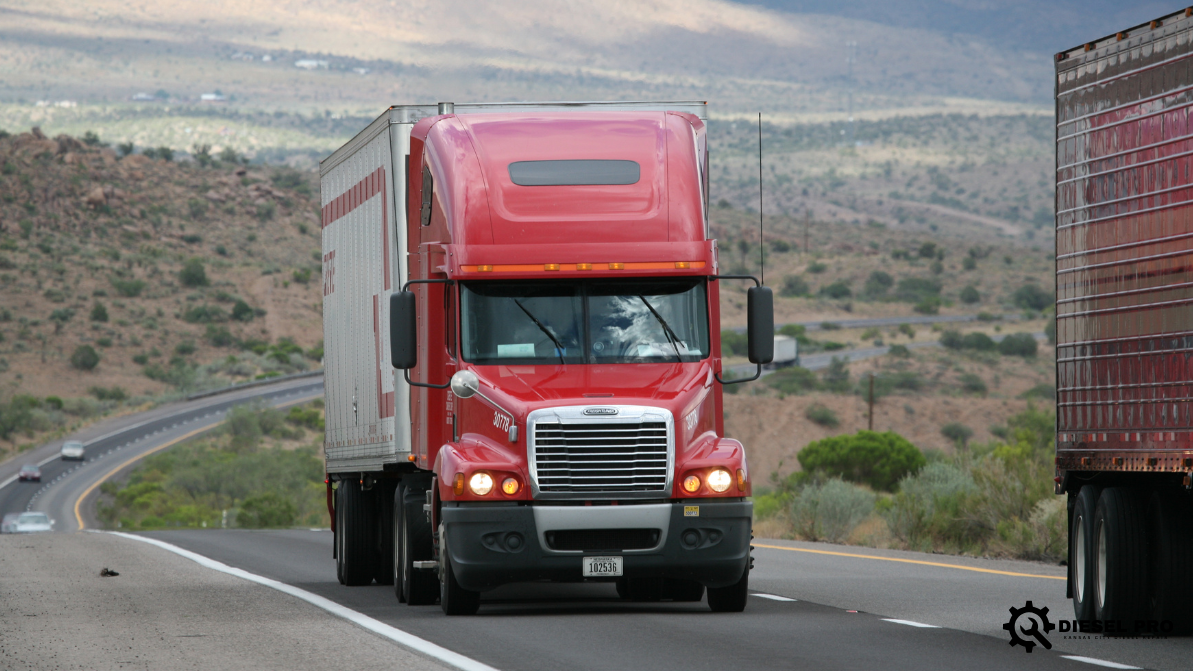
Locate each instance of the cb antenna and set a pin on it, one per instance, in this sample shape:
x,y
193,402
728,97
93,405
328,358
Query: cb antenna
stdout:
x,y
761,243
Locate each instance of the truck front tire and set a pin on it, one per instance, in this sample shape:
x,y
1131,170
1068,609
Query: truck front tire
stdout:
x,y
1120,561
731,599
358,548
454,599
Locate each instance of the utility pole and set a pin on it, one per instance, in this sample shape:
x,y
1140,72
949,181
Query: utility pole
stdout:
x,y
870,422
807,221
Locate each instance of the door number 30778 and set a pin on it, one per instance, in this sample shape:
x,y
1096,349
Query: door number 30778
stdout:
x,y
501,421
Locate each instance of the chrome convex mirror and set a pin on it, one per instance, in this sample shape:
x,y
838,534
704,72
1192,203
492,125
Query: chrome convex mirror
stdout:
x,y
465,384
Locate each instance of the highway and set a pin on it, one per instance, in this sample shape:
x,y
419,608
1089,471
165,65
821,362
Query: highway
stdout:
x,y
814,606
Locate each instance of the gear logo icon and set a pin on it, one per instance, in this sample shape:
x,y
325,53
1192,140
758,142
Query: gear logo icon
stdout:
x,y
1028,623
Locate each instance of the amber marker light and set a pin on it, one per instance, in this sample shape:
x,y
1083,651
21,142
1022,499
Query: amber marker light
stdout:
x,y
458,486
510,486
550,266
484,269
480,483
583,266
741,480
683,264
691,484
616,266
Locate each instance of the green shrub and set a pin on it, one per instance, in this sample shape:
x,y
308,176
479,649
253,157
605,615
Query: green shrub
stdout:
x,y
907,330
957,432
836,375
1050,330
830,511
84,358
972,384
205,314
197,208
878,460
900,351
54,402
928,306
55,295
192,239
969,295
302,275
929,501
127,287
978,341
185,348
887,383
794,285
1019,344
822,415
878,284
141,359
266,210
969,263
1031,297
793,381
916,289
266,510
218,336
1042,392
193,274
241,311
310,418
104,341
99,313
816,267
836,290
108,394
733,343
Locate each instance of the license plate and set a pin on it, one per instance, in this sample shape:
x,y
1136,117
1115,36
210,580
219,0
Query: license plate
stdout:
x,y
600,567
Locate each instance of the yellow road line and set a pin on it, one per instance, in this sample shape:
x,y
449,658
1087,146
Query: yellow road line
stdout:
x,y
911,561
114,471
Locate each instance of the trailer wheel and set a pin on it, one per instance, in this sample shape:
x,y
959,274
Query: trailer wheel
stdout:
x,y
1081,555
1170,553
383,563
731,599
1120,562
454,599
358,549
420,587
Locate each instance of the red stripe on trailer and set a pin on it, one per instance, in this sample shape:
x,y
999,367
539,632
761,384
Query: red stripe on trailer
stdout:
x,y
384,233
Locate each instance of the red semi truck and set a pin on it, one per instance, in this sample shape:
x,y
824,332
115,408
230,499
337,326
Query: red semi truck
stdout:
x,y
1124,321
521,328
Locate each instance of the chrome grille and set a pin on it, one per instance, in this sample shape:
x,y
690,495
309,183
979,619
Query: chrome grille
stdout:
x,y
614,456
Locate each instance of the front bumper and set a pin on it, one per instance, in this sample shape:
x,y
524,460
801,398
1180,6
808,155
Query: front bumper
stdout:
x,y
712,548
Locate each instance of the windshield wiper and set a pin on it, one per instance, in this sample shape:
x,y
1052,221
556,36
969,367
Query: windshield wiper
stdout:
x,y
544,329
671,337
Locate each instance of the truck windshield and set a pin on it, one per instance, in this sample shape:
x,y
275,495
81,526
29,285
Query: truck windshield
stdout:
x,y
629,321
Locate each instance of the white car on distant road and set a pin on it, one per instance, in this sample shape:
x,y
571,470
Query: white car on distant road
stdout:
x,y
72,449
28,523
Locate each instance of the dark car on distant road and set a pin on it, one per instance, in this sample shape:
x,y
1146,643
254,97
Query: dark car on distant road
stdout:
x,y
29,473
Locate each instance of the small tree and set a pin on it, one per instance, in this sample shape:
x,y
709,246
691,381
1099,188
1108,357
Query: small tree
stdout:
x,y
193,274
99,313
970,295
879,460
84,358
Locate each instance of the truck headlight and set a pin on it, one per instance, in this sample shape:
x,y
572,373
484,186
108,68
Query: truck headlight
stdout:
x,y
480,483
719,480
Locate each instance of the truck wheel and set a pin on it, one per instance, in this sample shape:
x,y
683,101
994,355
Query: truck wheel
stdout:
x,y
1120,564
1170,553
454,599
398,560
383,570
679,590
1081,554
338,538
420,587
358,548
731,599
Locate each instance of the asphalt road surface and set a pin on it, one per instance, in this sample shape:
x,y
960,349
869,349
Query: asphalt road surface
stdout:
x,y
814,606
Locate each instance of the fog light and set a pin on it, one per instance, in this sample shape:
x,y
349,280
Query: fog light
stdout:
x,y
510,486
719,480
480,483
691,483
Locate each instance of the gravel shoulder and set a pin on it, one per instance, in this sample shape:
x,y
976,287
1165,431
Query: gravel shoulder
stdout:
x,y
162,611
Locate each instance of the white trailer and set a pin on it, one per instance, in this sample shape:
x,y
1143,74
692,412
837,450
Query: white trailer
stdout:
x,y
786,352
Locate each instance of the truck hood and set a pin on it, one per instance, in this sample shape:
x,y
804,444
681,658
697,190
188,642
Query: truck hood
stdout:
x,y
532,387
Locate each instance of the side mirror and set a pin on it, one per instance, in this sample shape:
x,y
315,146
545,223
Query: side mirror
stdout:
x,y
403,336
465,384
760,321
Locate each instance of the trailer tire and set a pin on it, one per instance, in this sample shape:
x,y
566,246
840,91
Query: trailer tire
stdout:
x,y
1081,554
383,563
1120,556
420,587
358,549
454,599
1170,556
731,599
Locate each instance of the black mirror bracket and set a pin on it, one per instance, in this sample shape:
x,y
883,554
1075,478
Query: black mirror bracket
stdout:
x,y
406,371
757,374
759,352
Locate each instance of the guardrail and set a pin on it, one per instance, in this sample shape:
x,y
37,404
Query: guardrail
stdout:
x,y
255,383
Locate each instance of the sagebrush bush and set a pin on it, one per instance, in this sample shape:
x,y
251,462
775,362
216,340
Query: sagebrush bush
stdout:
x,y
84,358
878,460
1019,344
928,501
822,415
830,511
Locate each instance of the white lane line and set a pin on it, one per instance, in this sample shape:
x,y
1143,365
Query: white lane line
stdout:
x,y
772,597
407,640
1099,662
911,623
